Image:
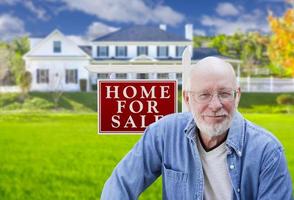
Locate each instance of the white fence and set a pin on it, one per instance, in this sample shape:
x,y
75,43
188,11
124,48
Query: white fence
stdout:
x,y
266,84
247,85
7,89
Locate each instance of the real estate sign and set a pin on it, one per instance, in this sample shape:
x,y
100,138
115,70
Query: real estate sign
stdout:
x,y
129,106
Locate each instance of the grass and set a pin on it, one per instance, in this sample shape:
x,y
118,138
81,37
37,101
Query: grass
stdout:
x,y
60,156
87,102
69,101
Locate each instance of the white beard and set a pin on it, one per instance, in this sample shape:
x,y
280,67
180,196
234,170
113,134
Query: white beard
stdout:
x,y
214,129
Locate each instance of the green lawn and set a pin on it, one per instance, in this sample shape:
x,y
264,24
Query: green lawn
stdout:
x,y
60,156
87,102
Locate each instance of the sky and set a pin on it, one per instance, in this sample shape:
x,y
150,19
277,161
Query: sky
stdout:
x,y
84,20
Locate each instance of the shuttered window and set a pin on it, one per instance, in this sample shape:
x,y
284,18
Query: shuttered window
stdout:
x,y
121,51
102,51
71,76
42,75
162,51
142,50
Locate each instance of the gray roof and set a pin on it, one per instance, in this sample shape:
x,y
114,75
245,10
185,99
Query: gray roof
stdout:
x,y
141,33
199,53
87,49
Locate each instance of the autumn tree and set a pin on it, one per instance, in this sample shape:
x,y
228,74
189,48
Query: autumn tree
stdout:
x,y
281,47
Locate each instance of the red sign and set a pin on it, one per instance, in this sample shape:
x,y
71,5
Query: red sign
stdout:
x,y
129,106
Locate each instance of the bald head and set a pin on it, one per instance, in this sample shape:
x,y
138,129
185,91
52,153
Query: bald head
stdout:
x,y
210,67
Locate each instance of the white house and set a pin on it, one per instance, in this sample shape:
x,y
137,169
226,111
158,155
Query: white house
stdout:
x,y
134,52
56,63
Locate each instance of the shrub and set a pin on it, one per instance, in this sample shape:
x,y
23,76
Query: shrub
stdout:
x,y
13,106
285,99
37,103
8,98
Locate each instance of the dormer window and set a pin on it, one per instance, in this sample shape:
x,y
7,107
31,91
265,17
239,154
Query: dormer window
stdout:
x,y
121,51
179,51
162,51
142,50
102,51
57,46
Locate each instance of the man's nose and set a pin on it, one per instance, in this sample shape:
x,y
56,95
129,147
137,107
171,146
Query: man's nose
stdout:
x,y
215,104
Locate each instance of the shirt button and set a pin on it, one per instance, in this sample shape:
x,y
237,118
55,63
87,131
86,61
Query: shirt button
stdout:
x,y
232,166
238,190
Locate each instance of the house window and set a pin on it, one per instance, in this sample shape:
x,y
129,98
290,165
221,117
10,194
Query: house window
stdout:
x,y
121,51
102,76
121,76
71,76
42,75
56,46
162,76
179,51
162,51
142,76
102,51
142,50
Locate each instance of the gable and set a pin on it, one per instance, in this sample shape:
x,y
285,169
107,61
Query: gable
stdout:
x,y
45,47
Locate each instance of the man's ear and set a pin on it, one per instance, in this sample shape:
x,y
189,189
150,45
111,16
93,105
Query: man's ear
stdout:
x,y
238,96
186,99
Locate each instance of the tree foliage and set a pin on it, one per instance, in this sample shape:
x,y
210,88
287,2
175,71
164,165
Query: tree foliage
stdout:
x,y
5,55
200,41
19,47
281,47
11,61
250,48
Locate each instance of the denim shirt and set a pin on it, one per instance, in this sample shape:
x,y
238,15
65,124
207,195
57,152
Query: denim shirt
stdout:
x,y
255,159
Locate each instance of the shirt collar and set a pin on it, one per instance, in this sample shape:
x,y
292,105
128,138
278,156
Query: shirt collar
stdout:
x,y
236,135
190,128
235,139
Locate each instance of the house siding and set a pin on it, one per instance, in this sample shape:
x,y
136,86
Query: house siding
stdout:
x,y
42,56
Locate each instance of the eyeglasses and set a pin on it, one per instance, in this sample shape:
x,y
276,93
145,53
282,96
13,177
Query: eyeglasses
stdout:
x,y
206,97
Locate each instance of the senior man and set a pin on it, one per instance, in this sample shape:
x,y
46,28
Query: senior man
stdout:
x,y
210,152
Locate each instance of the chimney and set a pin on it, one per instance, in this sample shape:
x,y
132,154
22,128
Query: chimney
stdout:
x,y
189,31
162,27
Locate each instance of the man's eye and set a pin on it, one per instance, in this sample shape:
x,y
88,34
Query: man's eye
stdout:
x,y
225,94
203,96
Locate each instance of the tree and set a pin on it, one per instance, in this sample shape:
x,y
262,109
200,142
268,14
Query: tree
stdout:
x,y
19,47
25,82
281,47
248,47
4,60
200,41
220,43
11,62
17,66
56,85
254,46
